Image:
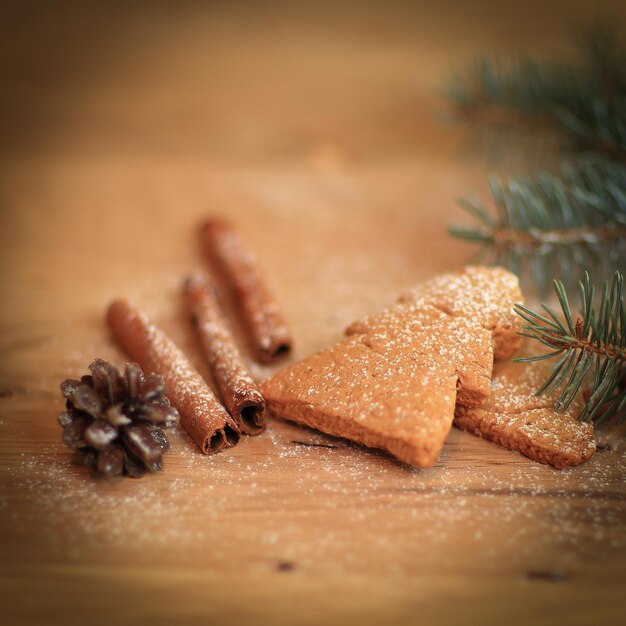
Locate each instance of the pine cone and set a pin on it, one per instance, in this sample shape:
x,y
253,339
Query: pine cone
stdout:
x,y
117,420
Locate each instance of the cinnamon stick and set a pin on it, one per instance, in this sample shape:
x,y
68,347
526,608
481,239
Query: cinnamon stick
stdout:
x,y
201,414
238,266
239,392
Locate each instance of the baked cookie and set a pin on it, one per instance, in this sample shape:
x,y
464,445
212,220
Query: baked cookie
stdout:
x,y
516,418
393,382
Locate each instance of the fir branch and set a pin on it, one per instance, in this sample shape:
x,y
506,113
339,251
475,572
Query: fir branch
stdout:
x,y
591,348
554,225
585,100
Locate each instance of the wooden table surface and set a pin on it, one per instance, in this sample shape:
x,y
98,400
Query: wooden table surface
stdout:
x,y
318,132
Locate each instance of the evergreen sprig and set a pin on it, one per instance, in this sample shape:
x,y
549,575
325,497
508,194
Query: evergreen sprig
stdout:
x,y
591,348
556,224
584,99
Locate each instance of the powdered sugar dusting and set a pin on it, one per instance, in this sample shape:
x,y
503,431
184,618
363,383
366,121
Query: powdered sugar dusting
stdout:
x,y
284,496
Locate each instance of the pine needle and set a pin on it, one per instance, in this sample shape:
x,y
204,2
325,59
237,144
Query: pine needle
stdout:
x,y
566,222
583,99
591,346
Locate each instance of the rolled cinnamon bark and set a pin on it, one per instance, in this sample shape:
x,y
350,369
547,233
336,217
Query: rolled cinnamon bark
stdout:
x,y
238,266
239,392
201,414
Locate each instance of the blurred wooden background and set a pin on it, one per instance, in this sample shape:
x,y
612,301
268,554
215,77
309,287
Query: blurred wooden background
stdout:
x,y
317,128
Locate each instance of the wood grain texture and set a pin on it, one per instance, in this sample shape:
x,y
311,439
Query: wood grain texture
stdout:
x,y
316,131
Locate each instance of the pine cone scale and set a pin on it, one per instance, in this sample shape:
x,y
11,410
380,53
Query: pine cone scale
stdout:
x,y
107,381
100,433
132,465
65,419
134,379
159,436
84,398
160,415
73,433
68,387
111,460
152,388
140,442
115,415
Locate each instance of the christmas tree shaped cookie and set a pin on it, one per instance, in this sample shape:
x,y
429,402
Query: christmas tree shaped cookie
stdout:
x,y
393,382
